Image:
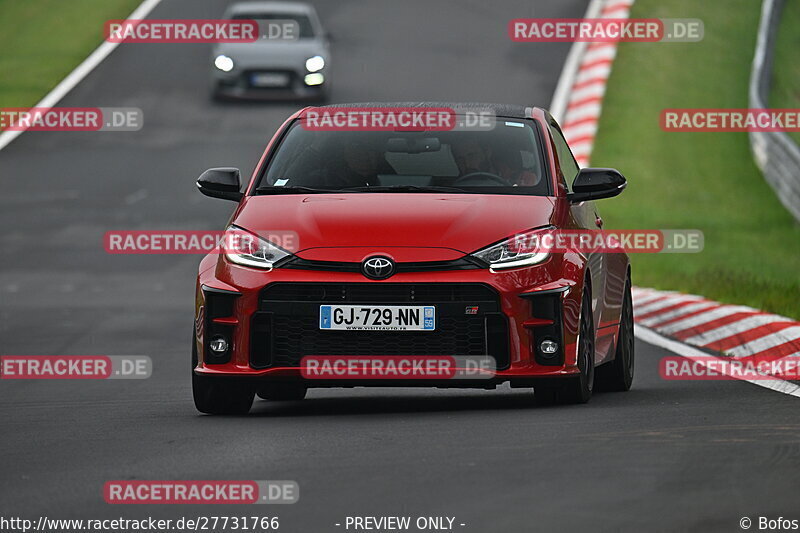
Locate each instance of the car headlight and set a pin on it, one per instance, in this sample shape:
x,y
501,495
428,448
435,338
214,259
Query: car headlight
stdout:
x,y
224,63
314,79
313,64
245,248
518,251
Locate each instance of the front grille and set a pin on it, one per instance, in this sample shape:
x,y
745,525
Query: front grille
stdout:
x,y
378,293
452,336
286,327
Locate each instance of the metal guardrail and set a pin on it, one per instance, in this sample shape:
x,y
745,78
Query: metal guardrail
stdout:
x,y
775,153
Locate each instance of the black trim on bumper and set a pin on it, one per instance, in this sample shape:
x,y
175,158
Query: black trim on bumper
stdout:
x,y
547,305
219,303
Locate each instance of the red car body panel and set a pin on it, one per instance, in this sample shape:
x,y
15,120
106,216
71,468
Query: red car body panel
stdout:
x,y
418,227
462,222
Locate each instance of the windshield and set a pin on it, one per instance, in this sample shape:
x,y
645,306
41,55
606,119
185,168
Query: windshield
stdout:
x,y
305,28
503,160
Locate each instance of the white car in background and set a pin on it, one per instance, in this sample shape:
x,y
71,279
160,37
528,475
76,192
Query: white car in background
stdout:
x,y
289,61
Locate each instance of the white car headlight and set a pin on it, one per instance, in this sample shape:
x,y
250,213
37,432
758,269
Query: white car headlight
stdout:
x,y
245,248
224,63
314,79
518,251
313,64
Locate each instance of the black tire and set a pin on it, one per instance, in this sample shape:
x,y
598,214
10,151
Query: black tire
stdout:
x,y
578,389
618,374
219,396
284,392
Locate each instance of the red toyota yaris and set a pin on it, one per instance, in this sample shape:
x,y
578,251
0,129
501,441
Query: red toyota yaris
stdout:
x,y
402,242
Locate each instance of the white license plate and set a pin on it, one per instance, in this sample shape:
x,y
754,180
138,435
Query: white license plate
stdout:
x,y
269,79
378,317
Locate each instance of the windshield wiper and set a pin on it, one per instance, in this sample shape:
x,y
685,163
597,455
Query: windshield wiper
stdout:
x,y
404,188
269,189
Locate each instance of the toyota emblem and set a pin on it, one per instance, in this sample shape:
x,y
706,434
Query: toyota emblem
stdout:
x,y
378,267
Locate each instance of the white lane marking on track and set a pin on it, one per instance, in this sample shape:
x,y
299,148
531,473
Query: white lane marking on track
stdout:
x,y
590,91
585,111
702,318
772,340
600,71
729,330
669,301
651,337
600,52
81,71
567,78
649,299
588,129
674,313
620,12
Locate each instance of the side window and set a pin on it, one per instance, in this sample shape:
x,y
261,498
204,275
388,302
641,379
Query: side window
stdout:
x,y
569,167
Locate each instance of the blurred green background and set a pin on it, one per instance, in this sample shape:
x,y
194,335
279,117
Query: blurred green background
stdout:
x,y
707,181
43,40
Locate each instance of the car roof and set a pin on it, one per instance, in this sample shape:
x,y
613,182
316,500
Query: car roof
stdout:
x,y
500,110
293,8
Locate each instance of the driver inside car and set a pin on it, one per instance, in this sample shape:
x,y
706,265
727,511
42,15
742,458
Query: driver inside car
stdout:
x,y
472,157
509,164
361,165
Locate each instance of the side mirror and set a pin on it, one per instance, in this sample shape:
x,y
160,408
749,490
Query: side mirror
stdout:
x,y
220,183
596,183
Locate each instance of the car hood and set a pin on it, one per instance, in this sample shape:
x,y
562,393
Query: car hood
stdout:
x,y
271,54
446,225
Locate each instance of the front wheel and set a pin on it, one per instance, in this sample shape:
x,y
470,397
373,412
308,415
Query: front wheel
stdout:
x,y
618,374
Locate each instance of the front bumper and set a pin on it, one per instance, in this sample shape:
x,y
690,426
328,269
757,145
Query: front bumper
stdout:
x,y
271,320
240,84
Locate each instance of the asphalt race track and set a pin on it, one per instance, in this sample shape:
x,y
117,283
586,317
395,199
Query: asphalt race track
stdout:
x,y
668,455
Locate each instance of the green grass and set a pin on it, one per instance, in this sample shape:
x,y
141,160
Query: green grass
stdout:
x,y
706,181
785,90
43,40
